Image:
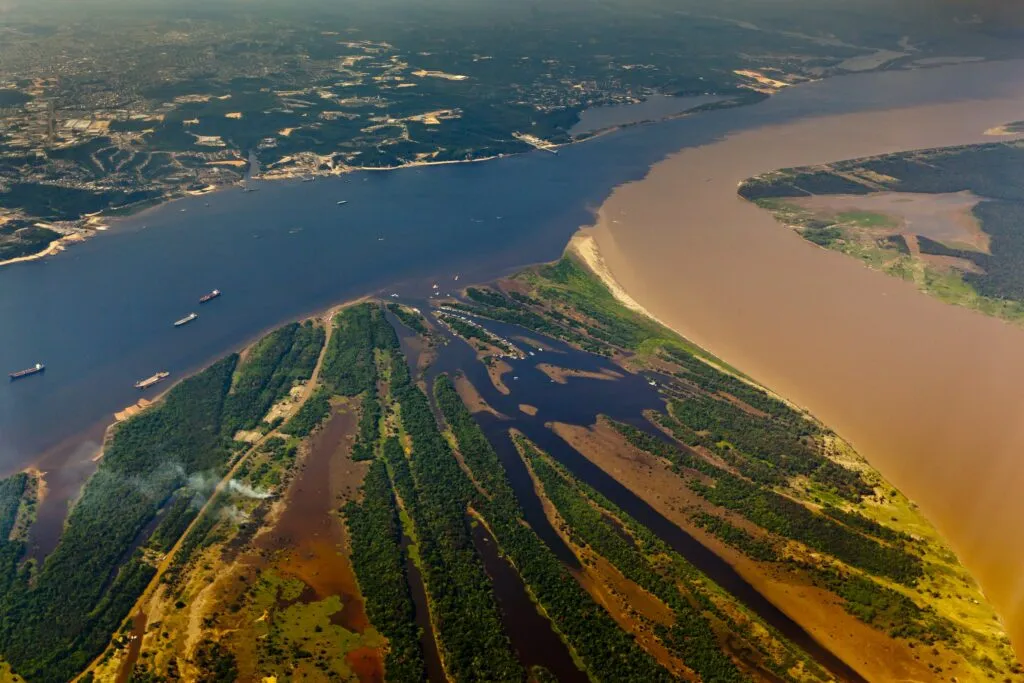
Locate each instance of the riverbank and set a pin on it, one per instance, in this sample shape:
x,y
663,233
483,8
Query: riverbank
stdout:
x,y
897,374
707,103
248,478
55,247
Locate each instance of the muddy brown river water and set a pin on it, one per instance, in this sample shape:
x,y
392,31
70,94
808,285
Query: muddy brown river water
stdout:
x,y
931,394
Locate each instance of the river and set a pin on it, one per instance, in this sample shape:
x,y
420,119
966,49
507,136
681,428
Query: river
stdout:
x,y
100,314
581,401
932,395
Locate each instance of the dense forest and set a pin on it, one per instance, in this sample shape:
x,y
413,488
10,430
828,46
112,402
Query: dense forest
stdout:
x,y
272,367
83,590
380,566
436,493
991,171
349,366
782,515
607,651
409,318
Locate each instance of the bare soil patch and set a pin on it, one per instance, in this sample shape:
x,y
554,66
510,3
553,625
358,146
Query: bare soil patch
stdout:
x,y
945,218
472,398
563,375
870,652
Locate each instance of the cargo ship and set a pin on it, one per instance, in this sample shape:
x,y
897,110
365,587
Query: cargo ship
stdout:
x,y
150,381
209,297
38,367
343,202
186,320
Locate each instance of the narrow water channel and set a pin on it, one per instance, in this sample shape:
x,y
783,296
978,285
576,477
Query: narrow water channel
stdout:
x,y
456,357
531,633
580,401
428,643
124,674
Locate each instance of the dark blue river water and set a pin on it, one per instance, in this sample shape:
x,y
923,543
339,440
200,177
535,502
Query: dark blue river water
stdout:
x,y
100,314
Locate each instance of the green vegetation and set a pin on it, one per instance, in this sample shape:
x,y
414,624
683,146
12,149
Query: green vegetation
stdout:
x,y
436,493
17,507
88,584
514,312
588,526
608,653
410,318
867,219
571,285
349,367
845,535
270,465
991,171
738,538
310,415
884,608
22,238
857,521
773,449
364,102
215,663
274,364
12,490
567,303
538,674
469,332
645,559
767,451
784,516
369,426
380,567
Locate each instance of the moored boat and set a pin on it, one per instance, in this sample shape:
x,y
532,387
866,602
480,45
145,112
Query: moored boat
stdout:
x,y
150,381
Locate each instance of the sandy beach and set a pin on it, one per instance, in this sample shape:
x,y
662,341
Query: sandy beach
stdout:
x,y
54,247
930,394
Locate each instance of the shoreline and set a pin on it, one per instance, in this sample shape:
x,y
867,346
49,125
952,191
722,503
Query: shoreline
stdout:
x,y
105,428
55,247
728,271
113,215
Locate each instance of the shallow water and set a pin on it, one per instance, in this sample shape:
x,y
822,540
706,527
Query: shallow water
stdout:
x,y
945,218
581,401
932,395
